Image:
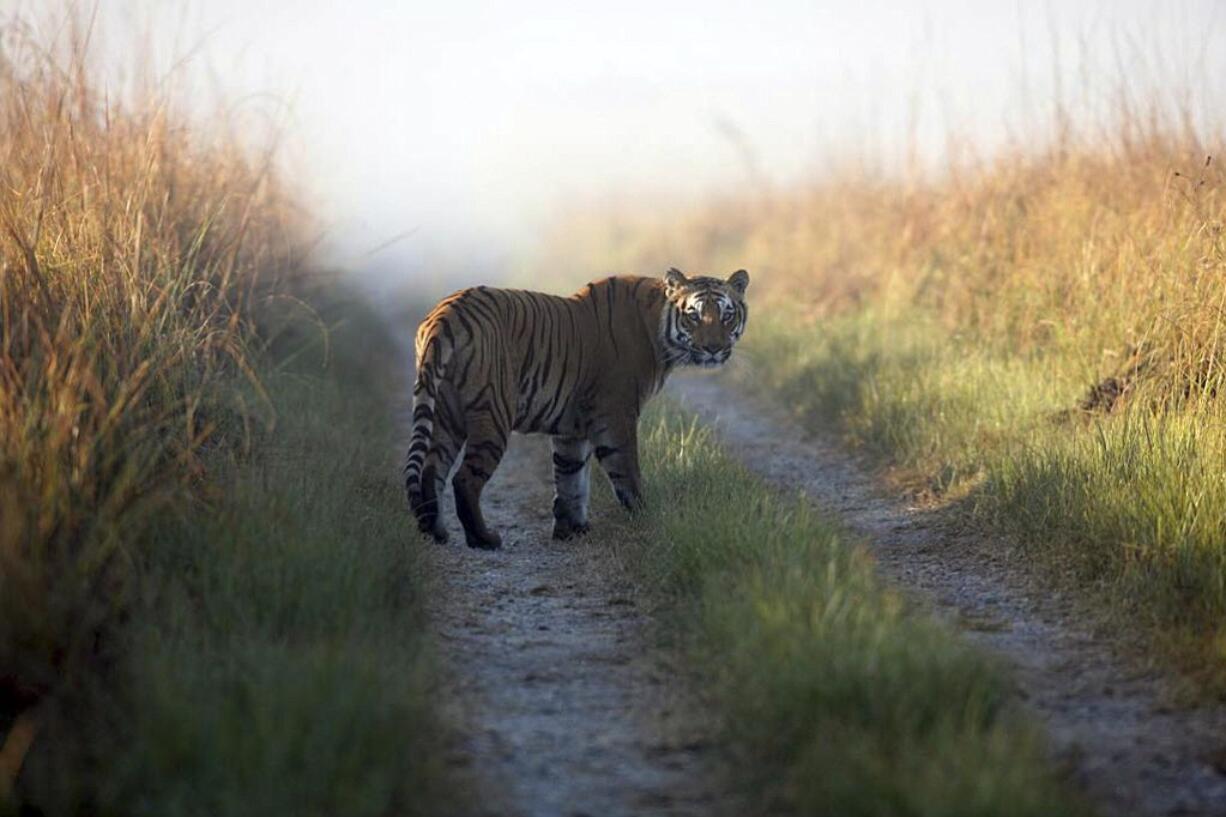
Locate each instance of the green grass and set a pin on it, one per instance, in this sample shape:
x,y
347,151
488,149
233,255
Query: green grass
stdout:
x,y
905,390
1129,508
1135,504
272,659
841,699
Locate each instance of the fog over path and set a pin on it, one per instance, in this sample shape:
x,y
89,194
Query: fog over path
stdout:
x,y
462,127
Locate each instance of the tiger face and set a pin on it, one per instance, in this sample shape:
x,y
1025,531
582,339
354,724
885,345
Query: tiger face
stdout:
x,y
704,317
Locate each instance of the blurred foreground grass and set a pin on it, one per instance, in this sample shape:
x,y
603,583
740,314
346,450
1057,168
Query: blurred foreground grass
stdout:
x,y
271,657
207,604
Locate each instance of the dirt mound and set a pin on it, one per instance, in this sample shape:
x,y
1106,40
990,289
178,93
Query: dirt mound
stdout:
x,y
1113,391
1166,381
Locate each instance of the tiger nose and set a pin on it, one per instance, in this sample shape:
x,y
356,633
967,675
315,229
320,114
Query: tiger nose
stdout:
x,y
712,349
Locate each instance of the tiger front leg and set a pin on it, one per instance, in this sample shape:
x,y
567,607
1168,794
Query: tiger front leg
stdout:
x,y
617,449
572,486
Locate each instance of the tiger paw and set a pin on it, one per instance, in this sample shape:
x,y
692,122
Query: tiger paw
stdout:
x,y
564,529
436,532
488,541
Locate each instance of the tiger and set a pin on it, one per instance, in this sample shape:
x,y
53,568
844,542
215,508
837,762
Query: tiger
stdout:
x,y
580,368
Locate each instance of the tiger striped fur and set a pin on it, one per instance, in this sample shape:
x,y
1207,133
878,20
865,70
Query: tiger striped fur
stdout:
x,y
492,361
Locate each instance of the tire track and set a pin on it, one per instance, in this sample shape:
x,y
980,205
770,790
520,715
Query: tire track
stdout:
x,y
563,707
1109,719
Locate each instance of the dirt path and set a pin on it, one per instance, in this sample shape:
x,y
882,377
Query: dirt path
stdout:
x,y
563,706
1112,722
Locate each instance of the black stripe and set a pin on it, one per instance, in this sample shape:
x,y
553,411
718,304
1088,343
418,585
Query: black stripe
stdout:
x,y
610,299
566,465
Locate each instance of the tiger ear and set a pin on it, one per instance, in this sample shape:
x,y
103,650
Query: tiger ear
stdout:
x,y
674,280
739,281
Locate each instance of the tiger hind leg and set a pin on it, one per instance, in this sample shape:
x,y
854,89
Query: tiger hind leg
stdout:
x,y
487,442
572,486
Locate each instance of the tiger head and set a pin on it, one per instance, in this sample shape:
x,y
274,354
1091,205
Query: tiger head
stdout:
x,y
703,317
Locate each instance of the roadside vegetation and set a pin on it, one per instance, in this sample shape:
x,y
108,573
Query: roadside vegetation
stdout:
x,y
206,601
1040,333
837,696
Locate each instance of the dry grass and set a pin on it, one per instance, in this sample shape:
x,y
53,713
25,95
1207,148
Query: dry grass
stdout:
x,y
1101,242
134,253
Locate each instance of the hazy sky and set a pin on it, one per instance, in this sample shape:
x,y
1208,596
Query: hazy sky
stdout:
x,y
466,121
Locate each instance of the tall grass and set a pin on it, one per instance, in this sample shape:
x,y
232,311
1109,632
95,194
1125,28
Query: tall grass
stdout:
x,y
193,614
132,255
1104,240
1044,329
